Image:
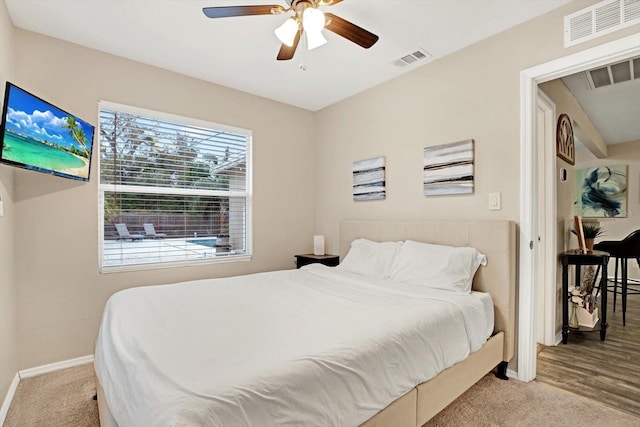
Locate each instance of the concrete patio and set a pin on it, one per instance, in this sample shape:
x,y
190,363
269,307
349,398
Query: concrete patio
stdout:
x,y
145,251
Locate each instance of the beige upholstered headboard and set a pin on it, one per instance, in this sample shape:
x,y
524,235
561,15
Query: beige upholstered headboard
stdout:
x,y
495,239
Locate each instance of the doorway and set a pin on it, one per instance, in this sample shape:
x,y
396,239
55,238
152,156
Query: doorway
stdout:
x,y
532,207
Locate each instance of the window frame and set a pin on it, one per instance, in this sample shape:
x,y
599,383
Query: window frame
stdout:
x,y
189,121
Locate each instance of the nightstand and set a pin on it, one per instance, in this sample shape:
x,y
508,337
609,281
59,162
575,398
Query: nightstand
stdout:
x,y
327,259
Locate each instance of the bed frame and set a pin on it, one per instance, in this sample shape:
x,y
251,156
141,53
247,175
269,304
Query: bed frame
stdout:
x,y
497,240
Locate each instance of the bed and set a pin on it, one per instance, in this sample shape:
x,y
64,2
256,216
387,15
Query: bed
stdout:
x,y
306,385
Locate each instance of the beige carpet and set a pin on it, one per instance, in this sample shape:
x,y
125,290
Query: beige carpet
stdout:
x,y
57,399
493,402
65,398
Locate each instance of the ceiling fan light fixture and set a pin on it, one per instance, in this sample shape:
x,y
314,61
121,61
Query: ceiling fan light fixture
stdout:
x,y
286,33
307,20
315,40
313,21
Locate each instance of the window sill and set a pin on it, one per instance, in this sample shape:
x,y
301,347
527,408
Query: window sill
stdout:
x,y
172,264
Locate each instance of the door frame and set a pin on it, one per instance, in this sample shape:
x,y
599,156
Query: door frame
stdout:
x,y
614,51
547,235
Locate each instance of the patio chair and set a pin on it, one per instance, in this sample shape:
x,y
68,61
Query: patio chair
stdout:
x,y
123,233
150,231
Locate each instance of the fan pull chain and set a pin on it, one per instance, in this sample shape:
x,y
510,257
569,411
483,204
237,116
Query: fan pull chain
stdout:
x,y
303,52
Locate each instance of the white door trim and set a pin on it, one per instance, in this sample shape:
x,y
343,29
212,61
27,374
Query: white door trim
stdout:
x,y
617,50
548,209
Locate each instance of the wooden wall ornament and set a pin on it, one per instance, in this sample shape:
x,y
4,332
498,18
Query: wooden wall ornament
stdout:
x,y
565,146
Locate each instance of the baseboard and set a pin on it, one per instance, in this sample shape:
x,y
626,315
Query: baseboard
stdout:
x,y
32,372
558,338
512,374
4,409
44,369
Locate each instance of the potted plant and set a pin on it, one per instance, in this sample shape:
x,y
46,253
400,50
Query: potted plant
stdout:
x,y
591,231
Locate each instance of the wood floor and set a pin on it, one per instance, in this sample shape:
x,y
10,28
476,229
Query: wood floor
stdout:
x,y
606,371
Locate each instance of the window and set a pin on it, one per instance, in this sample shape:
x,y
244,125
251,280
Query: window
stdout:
x,y
173,190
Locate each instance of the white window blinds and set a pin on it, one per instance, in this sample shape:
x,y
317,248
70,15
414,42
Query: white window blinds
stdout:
x,y
173,190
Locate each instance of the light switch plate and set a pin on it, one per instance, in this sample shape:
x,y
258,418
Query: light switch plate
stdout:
x,y
495,201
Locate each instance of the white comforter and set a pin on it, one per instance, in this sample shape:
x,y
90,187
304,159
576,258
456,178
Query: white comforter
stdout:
x,y
309,347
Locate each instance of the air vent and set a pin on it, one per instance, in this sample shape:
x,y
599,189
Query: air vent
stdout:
x,y
412,58
599,77
613,74
621,72
599,19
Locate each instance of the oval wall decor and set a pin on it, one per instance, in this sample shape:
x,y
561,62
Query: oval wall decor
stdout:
x,y
564,140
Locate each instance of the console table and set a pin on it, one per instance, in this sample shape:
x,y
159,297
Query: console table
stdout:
x,y
578,259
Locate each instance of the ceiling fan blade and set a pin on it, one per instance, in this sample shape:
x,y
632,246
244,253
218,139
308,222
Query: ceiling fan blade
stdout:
x,y
328,2
286,52
229,11
350,31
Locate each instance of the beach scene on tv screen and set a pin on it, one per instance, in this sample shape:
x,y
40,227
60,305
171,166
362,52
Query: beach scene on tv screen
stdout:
x,y
41,136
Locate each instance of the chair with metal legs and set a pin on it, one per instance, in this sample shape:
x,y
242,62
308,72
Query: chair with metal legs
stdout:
x,y
621,251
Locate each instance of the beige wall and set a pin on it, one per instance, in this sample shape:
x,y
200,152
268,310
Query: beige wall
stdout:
x,y
473,93
565,196
617,154
614,228
61,294
8,308
566,103
618,228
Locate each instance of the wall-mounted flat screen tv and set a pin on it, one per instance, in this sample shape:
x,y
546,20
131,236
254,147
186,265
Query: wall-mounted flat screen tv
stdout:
x,y
39,136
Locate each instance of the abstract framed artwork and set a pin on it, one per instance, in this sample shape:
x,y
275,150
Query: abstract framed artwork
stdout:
x,y
369,179
448,168
601,192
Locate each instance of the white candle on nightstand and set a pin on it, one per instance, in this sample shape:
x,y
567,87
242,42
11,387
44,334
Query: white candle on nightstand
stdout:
x,y
318,245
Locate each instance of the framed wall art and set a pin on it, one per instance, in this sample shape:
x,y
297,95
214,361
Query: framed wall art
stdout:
x,y
601,192
369,179
565,145
448,168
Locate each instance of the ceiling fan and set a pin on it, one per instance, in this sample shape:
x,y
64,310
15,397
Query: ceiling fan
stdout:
x,y
307,17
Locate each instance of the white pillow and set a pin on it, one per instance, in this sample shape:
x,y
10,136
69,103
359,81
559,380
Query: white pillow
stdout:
x,y
369,258
437,266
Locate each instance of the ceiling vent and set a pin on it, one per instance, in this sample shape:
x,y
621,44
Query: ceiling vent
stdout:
x,y
419,55
600,19
615,73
